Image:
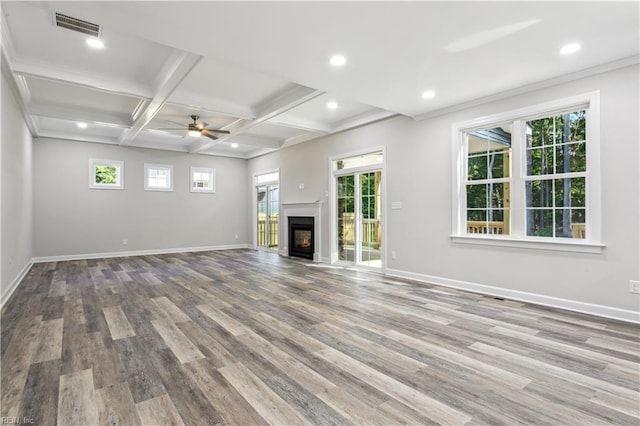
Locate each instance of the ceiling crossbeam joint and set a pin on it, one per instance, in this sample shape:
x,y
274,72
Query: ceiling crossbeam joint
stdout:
x,y
177,67
282,103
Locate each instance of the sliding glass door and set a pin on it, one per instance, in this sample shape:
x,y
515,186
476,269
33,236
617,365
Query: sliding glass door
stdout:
x,y
369,241
267,211
358,226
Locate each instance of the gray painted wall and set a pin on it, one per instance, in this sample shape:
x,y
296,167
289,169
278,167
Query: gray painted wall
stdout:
x,y
16,251
71,219
419,175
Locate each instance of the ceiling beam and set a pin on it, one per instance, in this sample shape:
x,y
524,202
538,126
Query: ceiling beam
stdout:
x,y
309,126
284,102
280,104
102,83
172,74
20,92
198,102
53,134
349,123
257,141
17,84
301,138
78,114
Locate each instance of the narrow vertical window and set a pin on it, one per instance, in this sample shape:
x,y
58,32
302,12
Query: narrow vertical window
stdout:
x,y
488,180
556,166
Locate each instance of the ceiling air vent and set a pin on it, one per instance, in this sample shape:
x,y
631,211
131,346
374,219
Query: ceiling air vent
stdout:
x,y
76,24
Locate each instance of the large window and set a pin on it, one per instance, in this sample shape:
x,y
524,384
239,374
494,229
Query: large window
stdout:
x,y
530,175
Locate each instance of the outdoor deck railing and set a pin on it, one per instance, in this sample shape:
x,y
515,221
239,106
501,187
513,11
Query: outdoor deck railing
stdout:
x,y
369,233
273,231
485,227
497,228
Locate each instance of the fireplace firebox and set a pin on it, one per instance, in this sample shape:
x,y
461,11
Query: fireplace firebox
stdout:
x,y
301,236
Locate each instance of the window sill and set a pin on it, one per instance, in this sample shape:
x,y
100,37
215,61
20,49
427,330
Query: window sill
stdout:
x,y
536,244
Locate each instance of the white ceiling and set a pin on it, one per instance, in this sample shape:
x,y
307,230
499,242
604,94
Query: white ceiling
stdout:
x,y
261,69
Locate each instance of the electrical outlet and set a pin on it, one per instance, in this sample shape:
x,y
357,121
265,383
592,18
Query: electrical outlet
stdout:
x,y
125,242
634,287
393,255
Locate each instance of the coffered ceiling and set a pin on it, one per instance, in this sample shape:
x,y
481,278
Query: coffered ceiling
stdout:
x,y
261,71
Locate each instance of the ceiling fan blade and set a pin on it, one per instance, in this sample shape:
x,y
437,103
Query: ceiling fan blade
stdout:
x,y
209,135
224,132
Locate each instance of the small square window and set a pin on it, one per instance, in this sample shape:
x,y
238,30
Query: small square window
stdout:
x,y
106,174
203,179
158,177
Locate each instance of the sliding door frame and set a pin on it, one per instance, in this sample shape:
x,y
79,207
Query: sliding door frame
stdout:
x,y
254,207
332,195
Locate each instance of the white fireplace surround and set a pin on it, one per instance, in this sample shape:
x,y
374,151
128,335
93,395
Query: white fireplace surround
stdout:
x,y
309,209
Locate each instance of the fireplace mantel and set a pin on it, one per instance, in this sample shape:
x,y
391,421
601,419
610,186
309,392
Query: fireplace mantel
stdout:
x,y
302,208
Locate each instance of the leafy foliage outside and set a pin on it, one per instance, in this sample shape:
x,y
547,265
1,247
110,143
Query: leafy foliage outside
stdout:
x,y
346,195
346,205
555,145
106,174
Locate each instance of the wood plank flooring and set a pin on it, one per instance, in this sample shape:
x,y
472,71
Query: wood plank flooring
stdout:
x,y
251,338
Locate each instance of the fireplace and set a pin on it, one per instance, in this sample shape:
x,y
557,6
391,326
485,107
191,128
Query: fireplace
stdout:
x,y
301,236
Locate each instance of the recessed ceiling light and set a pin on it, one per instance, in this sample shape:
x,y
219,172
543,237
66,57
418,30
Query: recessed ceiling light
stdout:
x,y
82,125
337,60
234,145
568,49
95,43
332,105
428,94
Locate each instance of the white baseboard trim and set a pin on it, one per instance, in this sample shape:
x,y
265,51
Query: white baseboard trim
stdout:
x,y
136,253
539,299
14,284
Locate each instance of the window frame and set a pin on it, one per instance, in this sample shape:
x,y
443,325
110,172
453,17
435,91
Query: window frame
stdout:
x,y
212,173
593,243
119,165
503,180
148,167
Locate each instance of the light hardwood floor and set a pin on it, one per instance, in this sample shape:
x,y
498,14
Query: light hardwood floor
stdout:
x,y
244,337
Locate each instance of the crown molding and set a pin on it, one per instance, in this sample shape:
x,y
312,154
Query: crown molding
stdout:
x,y
600,69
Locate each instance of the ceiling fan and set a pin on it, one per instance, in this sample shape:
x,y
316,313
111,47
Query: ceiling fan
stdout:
x,y
196,129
